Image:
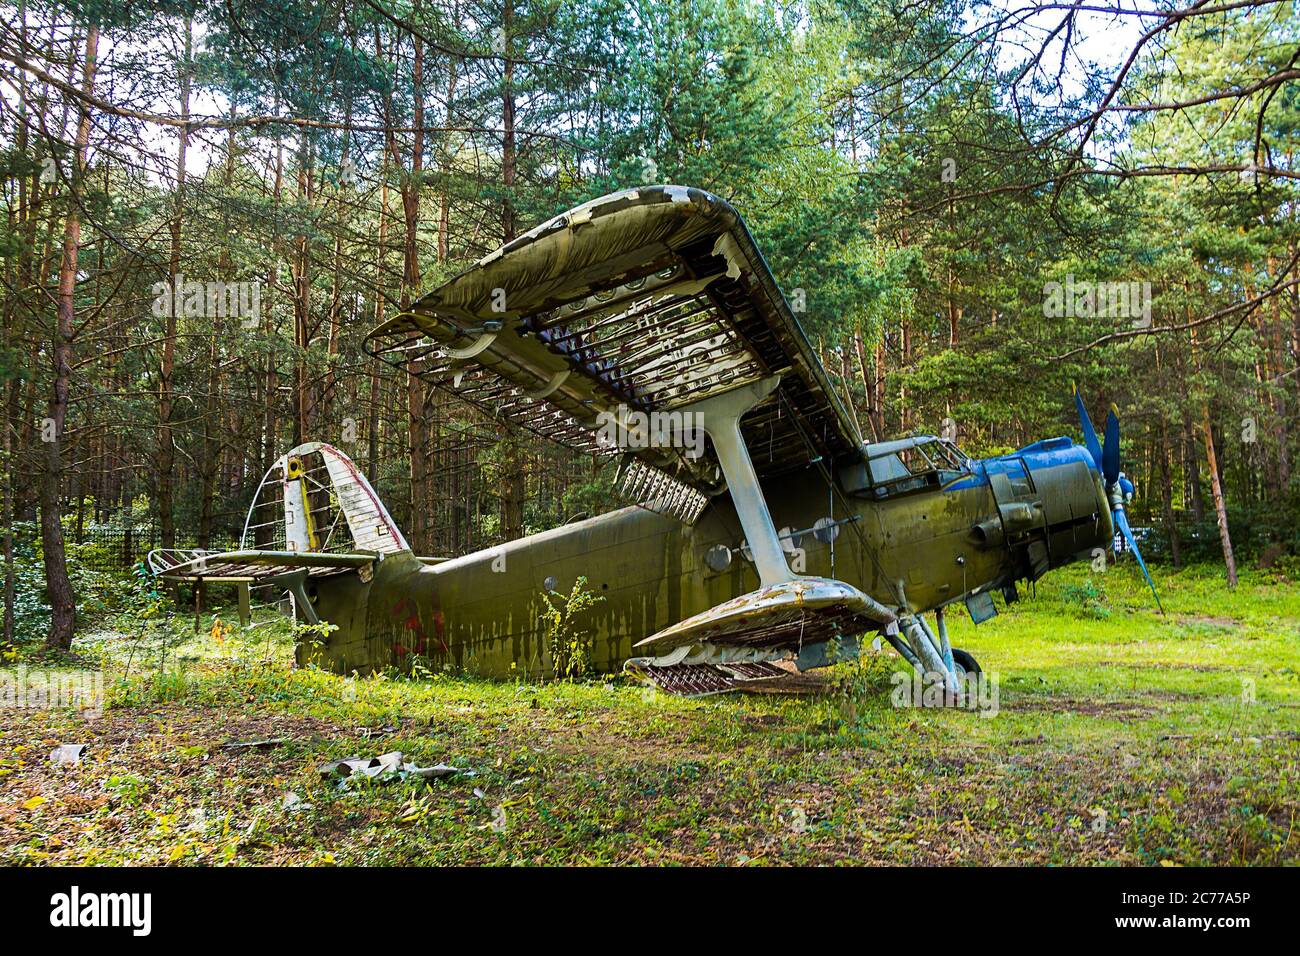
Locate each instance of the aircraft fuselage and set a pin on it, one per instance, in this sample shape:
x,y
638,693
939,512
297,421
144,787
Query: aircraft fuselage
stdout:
x,y
1007,519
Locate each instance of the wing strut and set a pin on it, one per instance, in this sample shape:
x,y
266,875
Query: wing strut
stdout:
x,y
788,610
720,417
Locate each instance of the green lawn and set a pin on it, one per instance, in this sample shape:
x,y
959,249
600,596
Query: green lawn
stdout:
x,y
1119,737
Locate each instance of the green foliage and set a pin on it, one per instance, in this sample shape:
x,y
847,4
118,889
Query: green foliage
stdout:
x,y
1088,599
305,632
568,635
100,594
857,686
592,497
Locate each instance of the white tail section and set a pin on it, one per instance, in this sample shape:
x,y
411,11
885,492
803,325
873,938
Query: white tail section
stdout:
x,y
297,506
314,499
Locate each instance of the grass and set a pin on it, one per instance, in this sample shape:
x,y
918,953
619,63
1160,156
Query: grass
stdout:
x,y
1120,737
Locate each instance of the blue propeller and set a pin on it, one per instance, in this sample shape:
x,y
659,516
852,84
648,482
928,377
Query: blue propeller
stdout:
x,y
1110,448
1118,488
1089,433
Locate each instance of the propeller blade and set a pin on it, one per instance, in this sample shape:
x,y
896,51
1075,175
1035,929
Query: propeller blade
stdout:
x,y
1110,451
1089,433
1121,522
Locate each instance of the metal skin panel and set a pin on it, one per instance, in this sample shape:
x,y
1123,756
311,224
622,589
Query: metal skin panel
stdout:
x,y
805,609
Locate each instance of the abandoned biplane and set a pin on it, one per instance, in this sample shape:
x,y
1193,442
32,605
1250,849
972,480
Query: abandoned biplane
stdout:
x,y
646,324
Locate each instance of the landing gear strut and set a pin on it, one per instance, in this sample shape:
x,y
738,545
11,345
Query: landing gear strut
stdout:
x,y
930,653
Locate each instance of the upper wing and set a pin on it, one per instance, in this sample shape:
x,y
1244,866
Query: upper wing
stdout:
x,y
643,301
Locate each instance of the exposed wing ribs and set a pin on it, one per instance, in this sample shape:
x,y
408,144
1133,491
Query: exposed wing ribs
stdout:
x,y
648,300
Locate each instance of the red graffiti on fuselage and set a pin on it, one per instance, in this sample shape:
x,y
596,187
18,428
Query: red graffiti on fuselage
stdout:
x,y
412,624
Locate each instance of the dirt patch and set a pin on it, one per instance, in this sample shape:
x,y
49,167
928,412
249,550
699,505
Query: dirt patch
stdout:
x,y
1165,666
125,727
1208,622
1085,708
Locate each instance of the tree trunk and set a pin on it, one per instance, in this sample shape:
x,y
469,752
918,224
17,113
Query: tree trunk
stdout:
x,y
904,364
954,312
58,587
166,438
509,158
878,388
372,431
300,268
18,283
1278,400
1216,490
417,433
513,489
264,532
846,382
444,211
1167,500
210,462
1192,471
867,387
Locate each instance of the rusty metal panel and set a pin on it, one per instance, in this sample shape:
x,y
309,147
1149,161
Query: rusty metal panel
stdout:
x,y
806,610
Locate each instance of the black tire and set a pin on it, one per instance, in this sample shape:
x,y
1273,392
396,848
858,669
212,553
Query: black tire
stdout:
x,y
965,661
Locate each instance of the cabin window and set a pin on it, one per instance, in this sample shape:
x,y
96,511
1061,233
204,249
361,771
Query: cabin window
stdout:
x,y
950,461
891,469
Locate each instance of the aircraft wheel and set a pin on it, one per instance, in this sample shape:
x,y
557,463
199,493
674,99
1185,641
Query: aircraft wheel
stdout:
x,y
966,664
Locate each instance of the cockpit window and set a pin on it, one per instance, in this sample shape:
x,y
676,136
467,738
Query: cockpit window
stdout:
x,y
888,468
900,467
949,456
904,463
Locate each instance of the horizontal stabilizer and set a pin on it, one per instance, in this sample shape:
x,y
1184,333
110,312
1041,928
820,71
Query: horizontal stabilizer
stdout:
x,y
806,610
253,565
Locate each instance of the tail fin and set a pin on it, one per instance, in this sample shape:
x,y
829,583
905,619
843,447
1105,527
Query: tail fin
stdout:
x,y
315,499
313,515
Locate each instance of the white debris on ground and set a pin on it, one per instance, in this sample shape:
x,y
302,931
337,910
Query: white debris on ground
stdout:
x,y
385,767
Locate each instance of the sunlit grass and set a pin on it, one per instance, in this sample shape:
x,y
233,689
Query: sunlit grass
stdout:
x,y
1120,736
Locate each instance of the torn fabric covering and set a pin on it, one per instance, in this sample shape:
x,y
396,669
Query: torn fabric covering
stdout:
x,y
571,255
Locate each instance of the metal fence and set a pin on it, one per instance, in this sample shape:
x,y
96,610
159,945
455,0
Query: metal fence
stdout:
x,y
117,548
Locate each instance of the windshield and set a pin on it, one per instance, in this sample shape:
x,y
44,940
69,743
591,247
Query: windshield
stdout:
x,y
929,463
